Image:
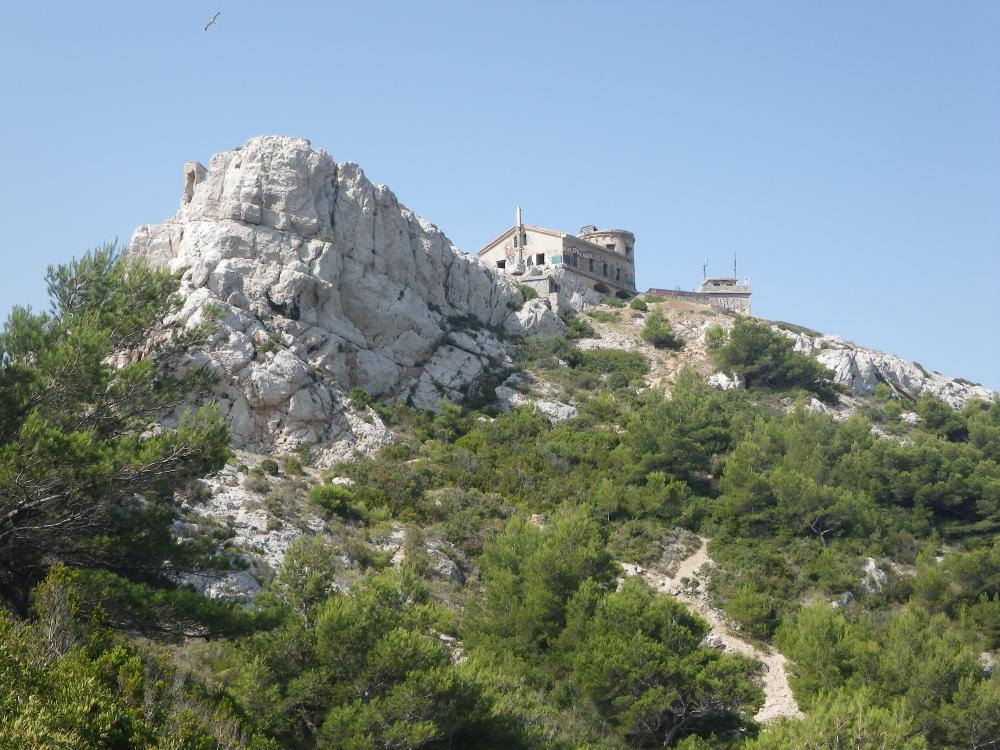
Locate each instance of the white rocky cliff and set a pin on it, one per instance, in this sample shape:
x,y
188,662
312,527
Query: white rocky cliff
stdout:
x,y
325,282
861,369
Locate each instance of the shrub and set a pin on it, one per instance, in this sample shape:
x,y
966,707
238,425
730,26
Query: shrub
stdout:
x,y
715,338
883,392
360,398
660,333
604,316
892,410
269,466
527,292
753,610
637,304
465,322
618,368
577,327
256,482
614,302
291,466
337,499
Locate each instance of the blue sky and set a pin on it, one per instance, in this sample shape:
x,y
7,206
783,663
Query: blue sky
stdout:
x,y
847,152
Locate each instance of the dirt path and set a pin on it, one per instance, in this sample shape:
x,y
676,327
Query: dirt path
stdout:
x,y
778,699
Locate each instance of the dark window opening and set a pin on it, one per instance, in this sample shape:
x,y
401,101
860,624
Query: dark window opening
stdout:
x,y
591,262
501,264
605,269
610,247
618,274
540,259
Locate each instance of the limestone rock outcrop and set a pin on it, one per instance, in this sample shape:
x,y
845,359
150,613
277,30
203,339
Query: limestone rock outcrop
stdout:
x,y
861,369
324,282
537,318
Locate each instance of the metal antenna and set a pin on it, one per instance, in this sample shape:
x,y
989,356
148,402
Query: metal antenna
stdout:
x,y
704,270
734,266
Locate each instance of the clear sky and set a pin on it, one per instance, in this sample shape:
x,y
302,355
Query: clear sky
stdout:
x,y
847,152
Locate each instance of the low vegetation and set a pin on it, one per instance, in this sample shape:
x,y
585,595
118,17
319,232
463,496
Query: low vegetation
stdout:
x,y
658,332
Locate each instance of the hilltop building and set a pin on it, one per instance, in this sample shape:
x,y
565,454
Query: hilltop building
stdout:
x,y
727,293
592,264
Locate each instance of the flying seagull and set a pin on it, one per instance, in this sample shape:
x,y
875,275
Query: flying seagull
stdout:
x,y
215,20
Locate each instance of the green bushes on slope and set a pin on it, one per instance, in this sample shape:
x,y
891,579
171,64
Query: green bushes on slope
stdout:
x,y
764,358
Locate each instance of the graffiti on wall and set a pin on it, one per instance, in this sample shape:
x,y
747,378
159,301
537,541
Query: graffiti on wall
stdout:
x,y
736,304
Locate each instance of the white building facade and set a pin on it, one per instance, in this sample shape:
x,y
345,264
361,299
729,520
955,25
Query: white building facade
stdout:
x,y
591,265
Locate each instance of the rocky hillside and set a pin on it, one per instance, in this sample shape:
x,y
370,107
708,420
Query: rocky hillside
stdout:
x,y
859,369
602,543
325,282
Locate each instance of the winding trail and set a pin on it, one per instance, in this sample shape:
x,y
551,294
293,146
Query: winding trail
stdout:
x,y
778,699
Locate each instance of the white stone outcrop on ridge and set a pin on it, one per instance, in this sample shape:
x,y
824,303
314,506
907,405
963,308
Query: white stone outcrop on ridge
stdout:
x,y
325,282
861,369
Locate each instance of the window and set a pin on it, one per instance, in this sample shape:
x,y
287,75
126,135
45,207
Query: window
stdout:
x,y
540,259
591,262
501,264
618,274
610,247
605,269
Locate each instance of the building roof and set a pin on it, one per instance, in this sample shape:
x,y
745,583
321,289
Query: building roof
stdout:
x,y
727,284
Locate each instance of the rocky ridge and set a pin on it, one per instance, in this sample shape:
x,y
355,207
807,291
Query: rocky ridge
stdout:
x,y
323,282
858,368
862,369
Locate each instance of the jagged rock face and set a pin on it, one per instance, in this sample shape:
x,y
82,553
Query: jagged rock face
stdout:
x,y
862,369
326,282
537,317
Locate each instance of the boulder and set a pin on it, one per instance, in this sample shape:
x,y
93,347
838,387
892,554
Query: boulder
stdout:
x,y
535,318
725,382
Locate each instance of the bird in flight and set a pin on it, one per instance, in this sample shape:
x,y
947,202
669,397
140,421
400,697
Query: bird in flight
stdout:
x,y
215,20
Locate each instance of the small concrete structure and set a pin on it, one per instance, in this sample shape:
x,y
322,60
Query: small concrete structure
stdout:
x,y
726,293
723,293
594,263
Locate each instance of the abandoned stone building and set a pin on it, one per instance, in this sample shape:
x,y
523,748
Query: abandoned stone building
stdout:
x,y
592,264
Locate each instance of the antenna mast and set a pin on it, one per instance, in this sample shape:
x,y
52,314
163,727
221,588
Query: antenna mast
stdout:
x,y
704,270
519,237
